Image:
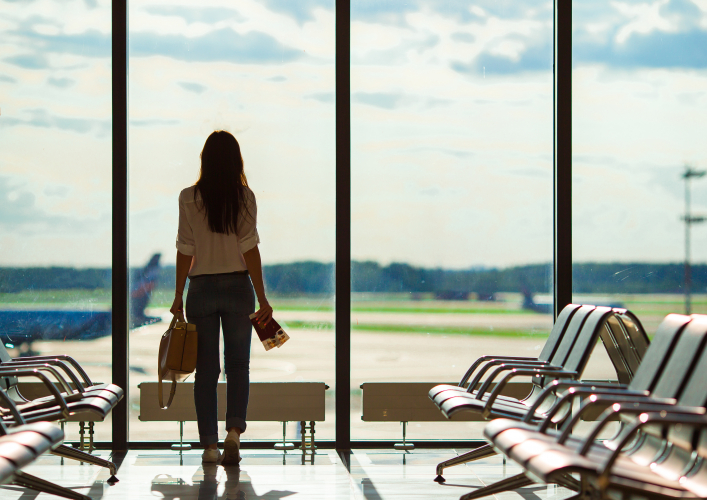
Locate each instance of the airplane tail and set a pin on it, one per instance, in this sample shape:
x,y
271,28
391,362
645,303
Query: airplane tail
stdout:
x,y
143,283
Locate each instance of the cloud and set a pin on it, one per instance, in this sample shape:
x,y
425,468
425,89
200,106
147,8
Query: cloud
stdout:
x,y
503,37
534,58
222,45
661,34
463,37
300,10
379,99
322,96
278,78
394,13
8,79
19,212
374,11
28,61
153,123
59,190
389,100
62,83
192,87
91,43
654,50
42,119
208,15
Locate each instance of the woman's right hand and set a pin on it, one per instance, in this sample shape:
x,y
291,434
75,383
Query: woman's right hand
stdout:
x,y
264,314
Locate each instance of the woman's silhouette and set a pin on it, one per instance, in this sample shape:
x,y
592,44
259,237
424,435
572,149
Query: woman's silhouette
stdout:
x,y
217,247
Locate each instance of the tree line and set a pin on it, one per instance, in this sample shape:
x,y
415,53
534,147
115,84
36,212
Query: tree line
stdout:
x,y
318,278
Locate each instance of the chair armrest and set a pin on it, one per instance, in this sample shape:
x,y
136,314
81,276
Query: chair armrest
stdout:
x,y
665,417
602,383
48,383
503,362
590,391
484,359
489,380
52,362
62,357
576,387
11,372
518,372
608,399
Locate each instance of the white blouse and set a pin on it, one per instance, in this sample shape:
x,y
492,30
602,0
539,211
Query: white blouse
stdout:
x,y
215,252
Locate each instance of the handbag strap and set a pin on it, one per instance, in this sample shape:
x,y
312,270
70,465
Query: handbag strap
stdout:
x,y
172,389
172,392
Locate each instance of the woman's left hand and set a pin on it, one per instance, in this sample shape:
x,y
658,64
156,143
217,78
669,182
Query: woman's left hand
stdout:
x,y
177,306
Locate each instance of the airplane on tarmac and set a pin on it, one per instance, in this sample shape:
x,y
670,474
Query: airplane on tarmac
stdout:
x,y
543,303
23,326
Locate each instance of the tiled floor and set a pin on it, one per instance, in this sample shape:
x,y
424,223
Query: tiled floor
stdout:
x,y
369,475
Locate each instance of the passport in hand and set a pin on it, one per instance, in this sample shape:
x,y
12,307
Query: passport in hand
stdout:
x,y
270,334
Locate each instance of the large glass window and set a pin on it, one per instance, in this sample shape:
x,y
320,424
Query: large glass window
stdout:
x,y
55,184
639,109
452,153
265,72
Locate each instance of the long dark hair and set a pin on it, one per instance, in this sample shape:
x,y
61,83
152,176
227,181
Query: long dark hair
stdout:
x,y
222,182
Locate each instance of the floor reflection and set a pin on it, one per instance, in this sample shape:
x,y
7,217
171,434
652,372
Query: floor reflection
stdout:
x,y
212,482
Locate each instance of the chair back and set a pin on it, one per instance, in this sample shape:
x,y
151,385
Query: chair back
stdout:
x,y
637,342
693,393
559,358
558,332
659,353
587,339
683,360
612,337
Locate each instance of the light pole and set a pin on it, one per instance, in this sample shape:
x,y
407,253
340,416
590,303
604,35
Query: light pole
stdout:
x,y
689,221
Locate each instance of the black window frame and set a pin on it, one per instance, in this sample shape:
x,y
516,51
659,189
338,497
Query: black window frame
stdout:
x,y
562,216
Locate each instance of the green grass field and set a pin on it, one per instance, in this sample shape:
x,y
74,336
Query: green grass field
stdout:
x,y
648,307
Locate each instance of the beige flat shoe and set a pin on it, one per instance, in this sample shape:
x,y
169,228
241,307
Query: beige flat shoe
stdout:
x,y
211,455
231,449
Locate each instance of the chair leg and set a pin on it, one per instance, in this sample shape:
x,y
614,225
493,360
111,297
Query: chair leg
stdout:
x,y
567,481
584,492
510,483
34,483
477,454
82,456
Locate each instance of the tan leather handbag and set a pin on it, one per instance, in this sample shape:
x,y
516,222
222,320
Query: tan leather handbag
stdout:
x,y
177,358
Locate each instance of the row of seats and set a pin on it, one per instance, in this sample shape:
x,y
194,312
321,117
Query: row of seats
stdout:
x,y
660,448
28,428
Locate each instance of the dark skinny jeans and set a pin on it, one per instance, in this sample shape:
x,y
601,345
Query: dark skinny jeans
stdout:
x,y
214,301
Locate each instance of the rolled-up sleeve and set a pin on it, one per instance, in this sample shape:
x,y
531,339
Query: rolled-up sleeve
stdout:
x,y
185,234
247,231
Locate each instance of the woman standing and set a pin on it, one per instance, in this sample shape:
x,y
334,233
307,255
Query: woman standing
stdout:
x,y
217,247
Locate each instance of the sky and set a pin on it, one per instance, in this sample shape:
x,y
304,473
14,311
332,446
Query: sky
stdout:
x,y
451,127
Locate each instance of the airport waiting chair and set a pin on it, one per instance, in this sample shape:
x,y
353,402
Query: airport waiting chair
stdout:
x,y
671,378
69,366
21,445
78,402
481,366
626,343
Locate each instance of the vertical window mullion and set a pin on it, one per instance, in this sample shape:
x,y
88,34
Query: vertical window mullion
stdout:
x,y
562,261
120,311
343,225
